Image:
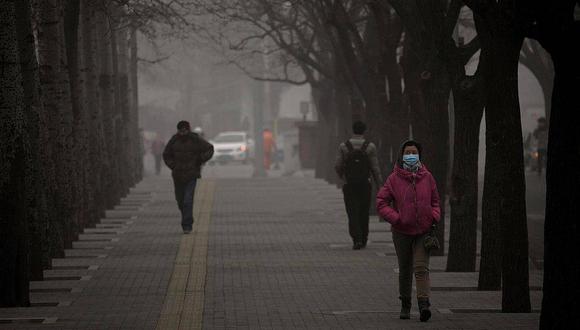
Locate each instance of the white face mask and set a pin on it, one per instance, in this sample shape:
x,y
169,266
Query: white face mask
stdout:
x,y
411,159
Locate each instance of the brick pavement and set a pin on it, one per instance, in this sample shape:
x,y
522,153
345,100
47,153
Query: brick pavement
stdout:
x,y
125,264
280,257
277,256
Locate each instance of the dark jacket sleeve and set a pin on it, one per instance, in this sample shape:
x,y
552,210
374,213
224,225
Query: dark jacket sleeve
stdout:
x,y
207,151
168,156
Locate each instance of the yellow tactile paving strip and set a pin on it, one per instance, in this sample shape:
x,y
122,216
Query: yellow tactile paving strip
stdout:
x,y
183,306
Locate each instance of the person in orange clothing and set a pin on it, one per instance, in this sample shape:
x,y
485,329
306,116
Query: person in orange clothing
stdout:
x,y
269,147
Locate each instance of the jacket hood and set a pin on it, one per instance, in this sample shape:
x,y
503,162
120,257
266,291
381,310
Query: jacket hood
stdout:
x,y
402,147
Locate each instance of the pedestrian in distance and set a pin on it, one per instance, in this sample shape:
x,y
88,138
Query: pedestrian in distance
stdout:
x,y
355,164
269,147
409,201
184,154
157,148
541,136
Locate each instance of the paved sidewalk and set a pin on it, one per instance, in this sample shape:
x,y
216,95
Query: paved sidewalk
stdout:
x,y
280,257
265,254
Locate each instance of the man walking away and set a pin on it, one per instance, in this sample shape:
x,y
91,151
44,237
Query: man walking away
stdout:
x,y
184,154
356,162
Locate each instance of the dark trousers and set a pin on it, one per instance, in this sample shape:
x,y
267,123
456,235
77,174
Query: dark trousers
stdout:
x,y
357,200
184,194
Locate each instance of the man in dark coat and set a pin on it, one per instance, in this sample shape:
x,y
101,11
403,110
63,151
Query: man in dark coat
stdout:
x,y
184,154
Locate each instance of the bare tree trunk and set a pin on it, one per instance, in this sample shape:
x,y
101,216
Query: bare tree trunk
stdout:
x,y
463,200
91,106
504,204
126,165
106,94
116,112
14,279
78,146
39,214
136,139
54,98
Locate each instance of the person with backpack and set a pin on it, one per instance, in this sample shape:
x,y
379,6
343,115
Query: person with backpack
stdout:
x,y
409,201
184,154
356,163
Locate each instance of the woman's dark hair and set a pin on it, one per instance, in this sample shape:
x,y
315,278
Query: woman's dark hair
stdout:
x,y
411,143
183,124
358,127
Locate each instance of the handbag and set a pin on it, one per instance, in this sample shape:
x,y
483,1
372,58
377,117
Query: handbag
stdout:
x,y
430,242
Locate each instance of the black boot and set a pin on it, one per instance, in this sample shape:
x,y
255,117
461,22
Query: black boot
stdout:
x,y
405,308
425,313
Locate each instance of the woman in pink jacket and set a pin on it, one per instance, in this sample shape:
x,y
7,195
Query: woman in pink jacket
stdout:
x,y
409,201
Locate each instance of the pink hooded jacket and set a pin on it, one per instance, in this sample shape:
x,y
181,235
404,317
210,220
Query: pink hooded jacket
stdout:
x,y
409,201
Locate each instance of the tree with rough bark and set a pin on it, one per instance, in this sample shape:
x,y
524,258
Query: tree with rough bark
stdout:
x,y
504,251
41,213
463,196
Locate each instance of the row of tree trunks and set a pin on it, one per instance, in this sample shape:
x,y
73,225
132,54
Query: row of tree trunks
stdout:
x,y
67,102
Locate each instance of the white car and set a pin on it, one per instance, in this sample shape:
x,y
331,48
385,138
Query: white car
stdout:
x,y
231,146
